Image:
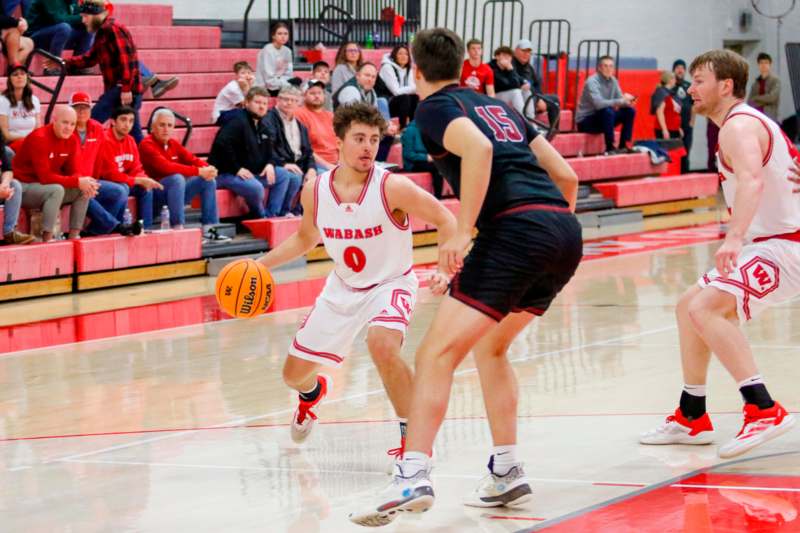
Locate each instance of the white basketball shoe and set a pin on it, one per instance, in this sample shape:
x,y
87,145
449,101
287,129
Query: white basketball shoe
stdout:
x,y
510,490
304,418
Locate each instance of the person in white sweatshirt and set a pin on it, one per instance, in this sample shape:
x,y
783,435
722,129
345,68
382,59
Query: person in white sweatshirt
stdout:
x,y
274,67
396,84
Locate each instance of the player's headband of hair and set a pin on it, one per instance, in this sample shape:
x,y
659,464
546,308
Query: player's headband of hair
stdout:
x,y
90,7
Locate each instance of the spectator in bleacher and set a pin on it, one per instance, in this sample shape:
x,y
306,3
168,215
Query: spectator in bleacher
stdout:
x,y
603,106
10,6
523,52
348,61
319,124
362,89
15,46
56,25
765,93
508,84
11,200
476,74
118,161
291,145
242,151
681,93
183,175
417,159
106,209
231,97
19,108
396,84
321,72
666,108
115,52
48,167
274,67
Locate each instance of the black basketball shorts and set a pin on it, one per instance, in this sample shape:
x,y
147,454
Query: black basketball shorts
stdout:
x,y
520,261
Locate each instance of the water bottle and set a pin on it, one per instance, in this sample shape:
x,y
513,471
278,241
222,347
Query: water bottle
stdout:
x,y
368,43
164,218
127,218
376,39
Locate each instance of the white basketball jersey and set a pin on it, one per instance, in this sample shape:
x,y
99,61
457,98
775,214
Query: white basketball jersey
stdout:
x,y
779,209
365,241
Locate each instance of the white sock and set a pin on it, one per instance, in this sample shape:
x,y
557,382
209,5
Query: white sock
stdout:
x,y
695,390
752,380
503,458
413,463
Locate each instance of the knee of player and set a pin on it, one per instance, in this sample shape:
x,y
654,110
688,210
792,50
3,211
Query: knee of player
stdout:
x,y
492,350
383,347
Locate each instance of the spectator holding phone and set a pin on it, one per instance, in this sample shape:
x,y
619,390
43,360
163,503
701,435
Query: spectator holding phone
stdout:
x,y
603,106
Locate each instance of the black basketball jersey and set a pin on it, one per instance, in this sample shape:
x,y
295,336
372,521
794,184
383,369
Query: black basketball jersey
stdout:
x,y
517,179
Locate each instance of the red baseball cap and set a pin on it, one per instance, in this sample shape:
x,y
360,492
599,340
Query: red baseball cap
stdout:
x,y
80,99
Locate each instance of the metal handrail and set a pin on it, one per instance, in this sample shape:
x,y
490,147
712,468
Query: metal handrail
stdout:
x,y
186,120
550,129
53,91
563,30
588,44
345,15
246,22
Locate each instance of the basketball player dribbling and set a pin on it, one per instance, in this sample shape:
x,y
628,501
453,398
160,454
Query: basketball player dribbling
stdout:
x,y
757,266
362,215
522,194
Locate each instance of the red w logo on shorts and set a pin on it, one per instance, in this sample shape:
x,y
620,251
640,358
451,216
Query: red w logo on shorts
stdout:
x,y
762,277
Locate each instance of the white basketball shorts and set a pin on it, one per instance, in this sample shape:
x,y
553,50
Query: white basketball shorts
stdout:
x,y
768,273
340,313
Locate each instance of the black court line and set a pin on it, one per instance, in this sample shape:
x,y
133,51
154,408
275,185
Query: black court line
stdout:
x,y
645,490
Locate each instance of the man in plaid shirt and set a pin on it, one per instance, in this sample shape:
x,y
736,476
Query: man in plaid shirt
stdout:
x,y
116,54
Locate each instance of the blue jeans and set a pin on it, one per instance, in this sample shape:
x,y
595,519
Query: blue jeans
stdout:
x,y
107,208
295,183
109,101
11,207
179,191
252,191
56,38
144,205
11,5
605,120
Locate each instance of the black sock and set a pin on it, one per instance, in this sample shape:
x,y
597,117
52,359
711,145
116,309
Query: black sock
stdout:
x,y
311,395
757,394
692,407
403,427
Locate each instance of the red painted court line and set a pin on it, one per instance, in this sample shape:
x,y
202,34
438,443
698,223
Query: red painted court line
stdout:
x,y
323,422
292,295
529,518
600,484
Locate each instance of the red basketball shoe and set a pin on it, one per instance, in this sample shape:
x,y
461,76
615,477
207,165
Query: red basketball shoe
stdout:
x,y
677,429
760,426
303,418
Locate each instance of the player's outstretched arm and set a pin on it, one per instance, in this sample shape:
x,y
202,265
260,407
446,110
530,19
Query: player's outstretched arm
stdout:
x,y
743,141
464,139
557,168
306,238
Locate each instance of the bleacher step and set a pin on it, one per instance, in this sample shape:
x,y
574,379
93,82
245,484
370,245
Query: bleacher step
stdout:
x,y
241,245
609,217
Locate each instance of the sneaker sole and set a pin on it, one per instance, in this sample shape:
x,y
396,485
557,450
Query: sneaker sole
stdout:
x,y
707,437
787,424
168,86
519,496
377,518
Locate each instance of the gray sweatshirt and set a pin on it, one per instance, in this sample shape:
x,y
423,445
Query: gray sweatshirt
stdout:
x,y
598,93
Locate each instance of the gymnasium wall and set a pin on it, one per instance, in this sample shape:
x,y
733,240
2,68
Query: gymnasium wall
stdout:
x,y
664,30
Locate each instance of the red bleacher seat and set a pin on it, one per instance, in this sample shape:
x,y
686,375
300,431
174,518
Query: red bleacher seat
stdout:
x,y
580,144
143,14
615,166
191,60
115,252
165,37
395,155
34,261
661,189
273,230
228,204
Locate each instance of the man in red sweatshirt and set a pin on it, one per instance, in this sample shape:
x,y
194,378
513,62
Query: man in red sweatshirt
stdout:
x,y
107,208
47,165
182,174
118,161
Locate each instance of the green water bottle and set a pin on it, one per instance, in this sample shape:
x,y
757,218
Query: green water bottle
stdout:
x,y
369,44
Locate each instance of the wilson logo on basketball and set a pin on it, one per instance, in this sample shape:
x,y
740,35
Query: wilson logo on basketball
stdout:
x,y
353,234
250,297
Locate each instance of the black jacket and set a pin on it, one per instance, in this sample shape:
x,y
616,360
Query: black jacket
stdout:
x,y
505,80
528,73
241,143
282,152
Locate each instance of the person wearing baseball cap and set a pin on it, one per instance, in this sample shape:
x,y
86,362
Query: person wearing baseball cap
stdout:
x,y
107,208
523,51
319,123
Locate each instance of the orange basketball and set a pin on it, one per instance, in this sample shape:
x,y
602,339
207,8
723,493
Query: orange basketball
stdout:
x,y
245,288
